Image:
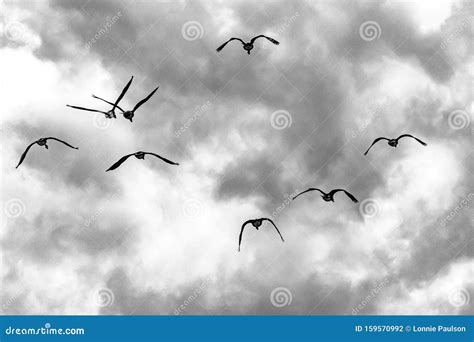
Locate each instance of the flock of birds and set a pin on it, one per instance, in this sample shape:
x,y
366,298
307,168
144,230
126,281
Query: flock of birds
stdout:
x,y
129,114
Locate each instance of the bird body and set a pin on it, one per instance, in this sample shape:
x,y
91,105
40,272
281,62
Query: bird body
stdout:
x,y
256,223
329,197
248,46
138,155
42,142
393,142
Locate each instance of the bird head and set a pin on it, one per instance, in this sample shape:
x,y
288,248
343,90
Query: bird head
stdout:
x,y
327,198
248,47
393,142
140,155
42,142
110,114
128,115
257,224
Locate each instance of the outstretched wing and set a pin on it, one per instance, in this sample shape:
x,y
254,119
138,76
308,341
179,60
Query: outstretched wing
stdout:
x,y
144,100
411,136
263,36
62,141
110,103
274,225
310,189
119,162
164,159
24,154
88,109
375,141
346,192
231,39
242,231
124,90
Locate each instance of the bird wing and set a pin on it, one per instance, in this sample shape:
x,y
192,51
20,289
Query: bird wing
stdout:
x,y
411,136
88,109
263,36
310,189
144,100
231,39
124,90
346,192
242,231
375,141
65,143
110,103
274,225
24,153
119,162
164,159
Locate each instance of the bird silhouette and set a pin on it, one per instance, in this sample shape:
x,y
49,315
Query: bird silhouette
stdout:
x,y
138,155
42,142
257,223
248,46
394,142
129,114
111,113
329,197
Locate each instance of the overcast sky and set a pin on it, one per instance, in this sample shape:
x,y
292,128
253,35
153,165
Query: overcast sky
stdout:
x,y
249,131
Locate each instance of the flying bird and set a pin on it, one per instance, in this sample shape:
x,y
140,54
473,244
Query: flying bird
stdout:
x,y
111,113
129,114
394,142
257,223
138,155
248,46
42,142
329,197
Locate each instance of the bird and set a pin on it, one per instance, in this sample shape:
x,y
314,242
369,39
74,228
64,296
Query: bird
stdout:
x,y
248,46
138,155
329,197
42,142
394,142
129,114
257,223
111,113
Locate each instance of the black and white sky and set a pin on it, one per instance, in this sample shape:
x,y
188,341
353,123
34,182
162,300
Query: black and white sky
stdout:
x,y
249,131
